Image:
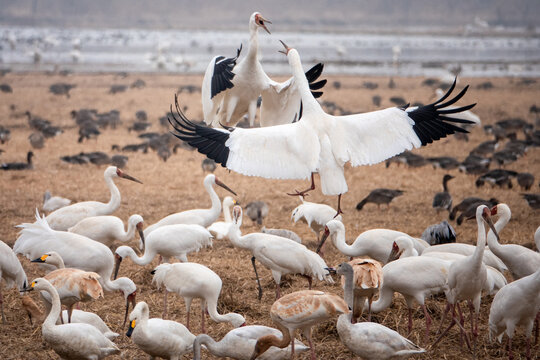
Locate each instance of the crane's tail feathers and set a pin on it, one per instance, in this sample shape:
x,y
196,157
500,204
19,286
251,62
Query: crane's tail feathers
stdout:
x,y
32,234
160,272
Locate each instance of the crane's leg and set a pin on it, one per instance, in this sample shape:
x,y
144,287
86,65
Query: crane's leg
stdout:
x,y
410,321
69,311
510,354
188,309
460,324
428,322
338,206
309,279
203,313
537,326
370,300
257,276
165,304
292,347
528,353
444,316
452,323
304,192
278,291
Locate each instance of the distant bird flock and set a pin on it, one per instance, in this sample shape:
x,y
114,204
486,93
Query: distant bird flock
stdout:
x,y
78,242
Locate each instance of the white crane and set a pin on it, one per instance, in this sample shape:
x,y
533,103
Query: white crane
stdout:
x,y
167,241
67,216
321,142
239,344
74,340
192,280
367,339
230,90
11,271
467,278
202,217
107,229
72,285
281,255
51,203
520,260
157,337
518,303
375,243
416,278
77,316
467,249
220,229
77,252
314,215
299,310
495,279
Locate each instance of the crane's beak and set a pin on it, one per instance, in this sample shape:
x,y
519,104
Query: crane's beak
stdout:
x,y
128,177
395,253
486,215
263,25
286,51
141,233
130,299
224,186
117,261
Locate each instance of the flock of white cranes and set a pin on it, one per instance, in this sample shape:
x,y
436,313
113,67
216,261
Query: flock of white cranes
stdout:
x,y
296,139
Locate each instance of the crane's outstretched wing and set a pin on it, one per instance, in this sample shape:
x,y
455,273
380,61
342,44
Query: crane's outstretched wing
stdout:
x,y
369,138
217,79
288,151
281,102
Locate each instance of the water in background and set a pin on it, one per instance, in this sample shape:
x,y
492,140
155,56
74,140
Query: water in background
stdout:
x,y
87,50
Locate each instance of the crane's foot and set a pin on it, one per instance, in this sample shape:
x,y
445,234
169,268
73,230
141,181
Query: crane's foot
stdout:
x,y
303,193
338,207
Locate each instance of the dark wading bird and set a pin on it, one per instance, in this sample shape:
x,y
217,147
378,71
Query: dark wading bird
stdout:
x,y
321,143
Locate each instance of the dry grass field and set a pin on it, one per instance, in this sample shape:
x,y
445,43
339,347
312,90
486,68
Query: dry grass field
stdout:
x,y
176,185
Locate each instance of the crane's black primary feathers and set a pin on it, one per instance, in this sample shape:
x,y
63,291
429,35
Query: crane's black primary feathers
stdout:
x,y
223,75
206,140
313,74
430,122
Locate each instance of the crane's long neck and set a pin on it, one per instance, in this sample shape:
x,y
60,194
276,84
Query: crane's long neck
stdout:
x,y
214,315
235,238
253,51
386,295
349,287
308,101
480,243
227,213
493,244
214,347
149,254
50,320
339,242
130,233
216,203
114,202
274,340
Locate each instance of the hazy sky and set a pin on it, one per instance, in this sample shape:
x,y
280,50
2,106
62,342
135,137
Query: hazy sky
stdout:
x,y
344,15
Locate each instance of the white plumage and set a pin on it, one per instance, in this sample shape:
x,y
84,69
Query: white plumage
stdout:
x,y
282,256
75,340
416,278
521,261
168,241
467,249
314,215
68,216
230,89
518,303
11,271
202,217
320,142
157,337
239,344
220,229
367,339
107,229
192,280
375,243
76,250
